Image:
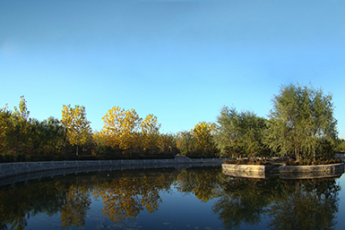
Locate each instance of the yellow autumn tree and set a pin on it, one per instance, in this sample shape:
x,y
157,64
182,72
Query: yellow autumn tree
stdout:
x,y
168,143
203,133
76,124
150,132
121,128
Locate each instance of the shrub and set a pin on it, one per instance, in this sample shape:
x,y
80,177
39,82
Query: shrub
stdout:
x,y
312,162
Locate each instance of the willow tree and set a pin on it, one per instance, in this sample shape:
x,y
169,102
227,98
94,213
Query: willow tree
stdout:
x,y
240,134
302,123
77,126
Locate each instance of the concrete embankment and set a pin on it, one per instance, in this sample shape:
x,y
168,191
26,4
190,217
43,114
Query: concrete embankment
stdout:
x,y
24,171
285,172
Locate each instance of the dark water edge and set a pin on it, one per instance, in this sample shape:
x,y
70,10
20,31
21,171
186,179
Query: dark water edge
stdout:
x,y
25,177
192,198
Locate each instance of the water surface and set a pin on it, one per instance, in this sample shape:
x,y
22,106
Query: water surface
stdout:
x,y
194,198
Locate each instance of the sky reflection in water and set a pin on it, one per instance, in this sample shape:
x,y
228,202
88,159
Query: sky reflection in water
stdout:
x,y
196,198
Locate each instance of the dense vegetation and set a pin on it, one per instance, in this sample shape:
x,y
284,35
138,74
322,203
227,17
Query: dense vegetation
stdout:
x,y
301,126
124,135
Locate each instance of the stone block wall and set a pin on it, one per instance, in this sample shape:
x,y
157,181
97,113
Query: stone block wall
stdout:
x,y
17,168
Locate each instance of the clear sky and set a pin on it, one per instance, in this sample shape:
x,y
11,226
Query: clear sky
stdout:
x,y
179,60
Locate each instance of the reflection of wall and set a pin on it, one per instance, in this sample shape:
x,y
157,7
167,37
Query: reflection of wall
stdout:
x,y
311,175
52,173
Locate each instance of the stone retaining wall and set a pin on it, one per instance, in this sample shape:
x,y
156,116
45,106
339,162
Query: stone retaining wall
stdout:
x,y
285,172
247,168
311,168
17,168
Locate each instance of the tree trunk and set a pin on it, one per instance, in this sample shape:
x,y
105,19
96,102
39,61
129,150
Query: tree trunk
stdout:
x,y
76,151
297,155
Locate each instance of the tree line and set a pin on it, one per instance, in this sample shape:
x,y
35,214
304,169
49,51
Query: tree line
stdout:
x,y
300,125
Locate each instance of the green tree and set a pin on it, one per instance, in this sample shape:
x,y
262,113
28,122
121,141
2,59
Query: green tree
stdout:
x,y
340,145
240,134
76,124
47,137
5,125
186,142
302,123
167,143
15,128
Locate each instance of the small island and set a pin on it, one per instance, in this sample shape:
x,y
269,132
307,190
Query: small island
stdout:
x,y
301,129
286,170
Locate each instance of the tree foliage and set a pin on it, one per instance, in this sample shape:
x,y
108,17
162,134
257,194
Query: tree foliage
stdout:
x,y
302,123
126,130
240,134
150,132
203,134
77,126
20,134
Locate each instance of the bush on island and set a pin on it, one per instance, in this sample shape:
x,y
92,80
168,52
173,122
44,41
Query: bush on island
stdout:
x,y
246,162
313,162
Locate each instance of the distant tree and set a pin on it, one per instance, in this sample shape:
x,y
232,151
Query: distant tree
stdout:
x,y
5,126
17,127
150,132
340,145
47,137
122,128
77,126
186,142
203,133
168,143
20,134
302,123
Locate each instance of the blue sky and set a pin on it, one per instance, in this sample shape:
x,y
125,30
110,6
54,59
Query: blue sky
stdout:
x,y
179,60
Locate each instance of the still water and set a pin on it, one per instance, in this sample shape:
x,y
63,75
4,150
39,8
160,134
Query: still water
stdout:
x,y
194,198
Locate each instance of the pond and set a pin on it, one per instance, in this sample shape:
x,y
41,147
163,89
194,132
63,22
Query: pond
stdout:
x,y
194,198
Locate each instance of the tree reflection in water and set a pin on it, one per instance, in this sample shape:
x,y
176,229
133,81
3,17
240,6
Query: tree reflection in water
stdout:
x,y
245,200
310,204
290,204
76,204
203,183
126,197
23,201
304,204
